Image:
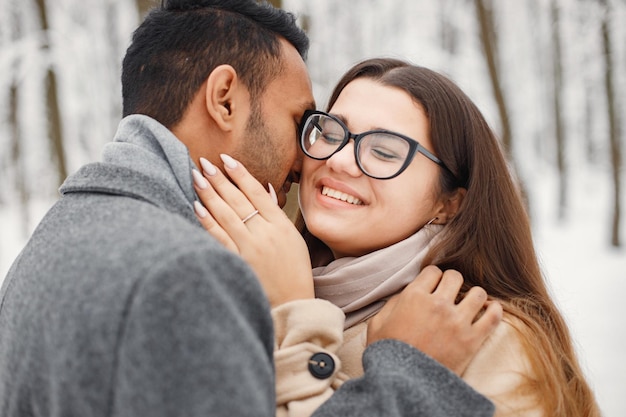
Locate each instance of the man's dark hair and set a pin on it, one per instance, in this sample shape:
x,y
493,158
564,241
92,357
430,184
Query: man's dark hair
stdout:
x,y
178,45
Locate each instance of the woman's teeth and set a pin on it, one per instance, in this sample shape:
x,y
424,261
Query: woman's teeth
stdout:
x,y
329,192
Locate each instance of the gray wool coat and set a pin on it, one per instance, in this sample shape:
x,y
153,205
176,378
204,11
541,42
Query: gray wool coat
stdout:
x,y
122,305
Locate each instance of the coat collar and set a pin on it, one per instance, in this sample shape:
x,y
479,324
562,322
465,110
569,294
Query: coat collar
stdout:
x,y
145,161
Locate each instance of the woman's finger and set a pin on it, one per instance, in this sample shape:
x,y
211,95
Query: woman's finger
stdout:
x,y
213,227
226,190
227,217
254,191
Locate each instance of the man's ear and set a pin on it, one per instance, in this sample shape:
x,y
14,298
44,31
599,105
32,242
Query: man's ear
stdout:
x,y
450,207
221,93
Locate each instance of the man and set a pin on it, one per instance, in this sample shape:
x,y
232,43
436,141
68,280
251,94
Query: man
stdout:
x,y
122,305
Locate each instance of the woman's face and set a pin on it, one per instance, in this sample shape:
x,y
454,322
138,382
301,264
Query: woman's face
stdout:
x,y
380,212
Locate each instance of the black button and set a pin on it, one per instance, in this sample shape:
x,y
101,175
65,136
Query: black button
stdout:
x,y
321,365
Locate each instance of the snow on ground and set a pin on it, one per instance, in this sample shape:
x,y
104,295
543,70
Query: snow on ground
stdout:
x,y
588,279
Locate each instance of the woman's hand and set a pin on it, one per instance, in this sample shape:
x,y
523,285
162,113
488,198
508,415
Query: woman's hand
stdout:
x,y
267,240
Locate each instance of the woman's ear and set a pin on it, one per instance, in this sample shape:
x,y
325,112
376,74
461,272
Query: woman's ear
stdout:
x,y
451,205
221,92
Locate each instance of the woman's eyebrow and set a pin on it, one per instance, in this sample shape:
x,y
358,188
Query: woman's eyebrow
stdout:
x,y
344,120
341,117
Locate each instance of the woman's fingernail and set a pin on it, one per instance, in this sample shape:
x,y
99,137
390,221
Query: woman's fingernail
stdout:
x,y
229,162
208,168
273,193
199,180
200,210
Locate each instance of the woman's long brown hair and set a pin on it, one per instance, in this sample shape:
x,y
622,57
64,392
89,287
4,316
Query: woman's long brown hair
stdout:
x,y
489,240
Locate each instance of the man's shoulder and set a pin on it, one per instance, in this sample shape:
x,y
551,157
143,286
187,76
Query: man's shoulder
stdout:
x,y
117,257
112,244
146,237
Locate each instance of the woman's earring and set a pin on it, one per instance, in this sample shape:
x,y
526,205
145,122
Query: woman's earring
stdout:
x,y
431,221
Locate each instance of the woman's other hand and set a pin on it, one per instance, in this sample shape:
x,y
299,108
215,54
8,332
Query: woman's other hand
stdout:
x,y
246,219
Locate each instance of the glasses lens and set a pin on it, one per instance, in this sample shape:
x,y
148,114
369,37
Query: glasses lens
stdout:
x,y
382,155
322,136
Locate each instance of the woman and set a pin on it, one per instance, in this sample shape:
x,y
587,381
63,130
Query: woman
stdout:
x,y
423,182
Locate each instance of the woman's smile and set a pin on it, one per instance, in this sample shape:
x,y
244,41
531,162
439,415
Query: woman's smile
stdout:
x,y
338,195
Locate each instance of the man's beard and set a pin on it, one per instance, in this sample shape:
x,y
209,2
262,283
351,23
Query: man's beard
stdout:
x,y
258,152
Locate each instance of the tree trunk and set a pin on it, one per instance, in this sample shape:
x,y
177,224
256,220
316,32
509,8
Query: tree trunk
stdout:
x,y
589,122
448,32
614,134
18,159
52,102
488,41
559,133
17,163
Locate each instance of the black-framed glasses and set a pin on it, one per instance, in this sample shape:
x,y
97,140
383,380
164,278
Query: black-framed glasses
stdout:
x,y
379,154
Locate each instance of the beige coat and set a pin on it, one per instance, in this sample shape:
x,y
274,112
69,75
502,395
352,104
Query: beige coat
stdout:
x,y
306,327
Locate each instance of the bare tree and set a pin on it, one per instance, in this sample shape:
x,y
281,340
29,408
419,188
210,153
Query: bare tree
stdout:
x,y
448,32
55,132
17,160
557,97
589,122
586,20
489,42
614,134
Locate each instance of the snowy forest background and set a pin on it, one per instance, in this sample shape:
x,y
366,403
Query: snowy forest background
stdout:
x,y
548,74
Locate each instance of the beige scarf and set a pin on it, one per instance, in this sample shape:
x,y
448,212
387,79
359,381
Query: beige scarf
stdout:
x,y
360,286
